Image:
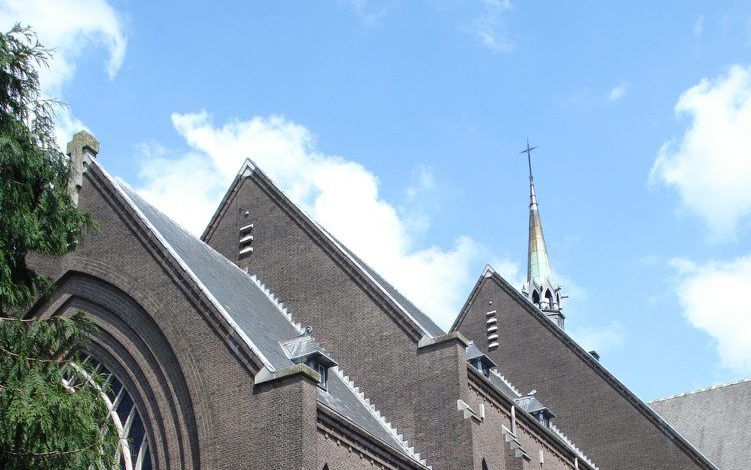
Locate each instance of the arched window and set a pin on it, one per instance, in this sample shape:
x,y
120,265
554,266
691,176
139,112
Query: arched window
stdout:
x,y
325,466
484,465
133,452
535,298
549,298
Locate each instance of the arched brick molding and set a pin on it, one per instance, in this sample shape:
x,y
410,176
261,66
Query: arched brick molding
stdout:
x,y
133,347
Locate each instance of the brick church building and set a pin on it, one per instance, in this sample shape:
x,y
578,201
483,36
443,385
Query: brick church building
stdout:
x,y
268,344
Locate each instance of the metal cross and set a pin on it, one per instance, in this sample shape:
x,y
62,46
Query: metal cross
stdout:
x,y
528,151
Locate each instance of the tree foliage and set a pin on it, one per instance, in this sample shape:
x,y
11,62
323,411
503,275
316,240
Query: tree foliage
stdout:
x,y
51,412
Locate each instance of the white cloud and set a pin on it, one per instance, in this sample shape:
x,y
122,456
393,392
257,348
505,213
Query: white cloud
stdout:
x,y
598,338
490,28
699,26
68,27
510,271
618,92
714,298
370,12
710,164
597,98
340,194
424,180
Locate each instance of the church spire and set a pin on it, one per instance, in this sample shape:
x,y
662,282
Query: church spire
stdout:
x,y
540,287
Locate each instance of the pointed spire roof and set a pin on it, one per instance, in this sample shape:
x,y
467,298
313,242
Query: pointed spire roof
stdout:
x,y
538,265
540,287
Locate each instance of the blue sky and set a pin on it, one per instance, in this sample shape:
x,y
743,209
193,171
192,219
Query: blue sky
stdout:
x,y
398,125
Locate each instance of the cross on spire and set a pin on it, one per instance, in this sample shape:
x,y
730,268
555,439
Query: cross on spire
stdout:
x,y
528,151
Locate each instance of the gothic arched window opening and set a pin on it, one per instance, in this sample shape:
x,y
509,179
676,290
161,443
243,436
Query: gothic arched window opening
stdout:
x,y
133,452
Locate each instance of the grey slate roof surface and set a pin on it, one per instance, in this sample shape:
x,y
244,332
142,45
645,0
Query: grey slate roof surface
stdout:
x,y
256,315
248,306
420,317
717,421
504,386
340,399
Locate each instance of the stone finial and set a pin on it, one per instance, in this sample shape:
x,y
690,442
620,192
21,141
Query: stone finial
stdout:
x,y
82,145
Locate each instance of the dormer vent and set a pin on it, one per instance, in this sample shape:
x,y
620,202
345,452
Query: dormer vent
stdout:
x,y
246,241
478,360
305,350
533,406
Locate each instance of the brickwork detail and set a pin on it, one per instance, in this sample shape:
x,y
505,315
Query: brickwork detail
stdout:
x,y
594,410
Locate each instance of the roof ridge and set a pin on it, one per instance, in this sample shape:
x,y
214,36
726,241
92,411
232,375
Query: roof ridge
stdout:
x,y
379,417
700,390
249,168
573,446
118,185
359,263
507,382
277,303
340,373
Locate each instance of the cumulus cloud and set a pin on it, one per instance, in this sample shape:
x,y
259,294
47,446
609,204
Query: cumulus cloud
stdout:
x,y
370,13
602,338
68,27
713,297
340,194
710,164
699,26
510,271
490,27
617,92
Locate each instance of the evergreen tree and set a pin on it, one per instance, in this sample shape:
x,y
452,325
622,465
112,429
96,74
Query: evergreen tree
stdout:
x,y
51,411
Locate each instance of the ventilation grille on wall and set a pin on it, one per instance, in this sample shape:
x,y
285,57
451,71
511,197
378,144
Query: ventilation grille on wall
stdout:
x,y
491,323
246,240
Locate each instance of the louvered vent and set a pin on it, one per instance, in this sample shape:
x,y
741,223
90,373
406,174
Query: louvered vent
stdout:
x,y
491,323
246,240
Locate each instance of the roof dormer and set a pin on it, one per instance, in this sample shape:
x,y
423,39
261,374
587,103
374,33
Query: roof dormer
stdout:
x,y
533,406
479,360
305,350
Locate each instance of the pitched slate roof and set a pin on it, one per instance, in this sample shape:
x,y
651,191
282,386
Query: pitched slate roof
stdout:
x,y
717,420
257,316
407,309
